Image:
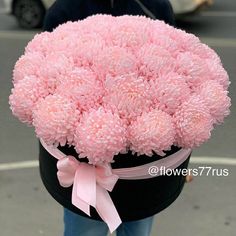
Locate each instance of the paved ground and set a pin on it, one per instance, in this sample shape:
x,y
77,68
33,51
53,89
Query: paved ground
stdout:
x,y
206,207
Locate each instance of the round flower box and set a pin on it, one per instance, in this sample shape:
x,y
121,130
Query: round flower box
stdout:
x,y
133,199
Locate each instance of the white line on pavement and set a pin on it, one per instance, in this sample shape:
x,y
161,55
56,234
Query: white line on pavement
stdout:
x,y
18,165
17,34
213,161
193,160
218,13
219,42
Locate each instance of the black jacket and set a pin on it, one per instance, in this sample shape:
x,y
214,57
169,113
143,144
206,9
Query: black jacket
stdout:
x,y
72,10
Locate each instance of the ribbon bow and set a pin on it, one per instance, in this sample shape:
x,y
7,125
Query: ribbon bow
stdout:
x,y
90,185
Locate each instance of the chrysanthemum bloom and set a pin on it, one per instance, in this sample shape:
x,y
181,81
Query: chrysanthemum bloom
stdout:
x,y
24,97
81,46
152,131
193,68
193,123
41,43
66,29
114,61
154,61
218,73
85,52
129,36
161,28
170,91
164,41
83,88
185,41
129,95
102,29
55,119
54,69
190,43
100,135
216,99
27,65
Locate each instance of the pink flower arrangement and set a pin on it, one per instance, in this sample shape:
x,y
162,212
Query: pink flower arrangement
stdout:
x,y
107,85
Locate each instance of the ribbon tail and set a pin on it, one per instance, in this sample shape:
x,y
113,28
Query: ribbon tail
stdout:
x,y
106,209
77,201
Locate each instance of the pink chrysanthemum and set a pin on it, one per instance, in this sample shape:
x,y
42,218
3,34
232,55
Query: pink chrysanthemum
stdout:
x,y
216,99
54,69
114,61
102,29
41,43
55,119
66,29
100,135
203,51
154,61
158,27
129,95
169,92
129,36
27,65
153,131
81,45
164,41
193,123
185,41
24,97
83,88
64,41
84,52
193,68
190,43
218,73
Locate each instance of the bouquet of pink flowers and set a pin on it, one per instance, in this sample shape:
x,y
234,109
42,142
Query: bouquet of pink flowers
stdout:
x,y
106,85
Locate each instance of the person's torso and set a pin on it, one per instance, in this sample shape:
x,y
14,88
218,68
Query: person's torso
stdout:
x,y
77,10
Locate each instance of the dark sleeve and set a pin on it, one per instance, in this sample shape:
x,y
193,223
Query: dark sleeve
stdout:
x,y
164,11
169,16
54,17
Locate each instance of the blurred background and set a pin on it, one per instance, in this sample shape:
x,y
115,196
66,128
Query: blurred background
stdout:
x,y
206,206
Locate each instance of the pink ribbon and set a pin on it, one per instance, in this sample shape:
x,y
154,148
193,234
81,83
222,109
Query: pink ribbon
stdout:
x,y
90,185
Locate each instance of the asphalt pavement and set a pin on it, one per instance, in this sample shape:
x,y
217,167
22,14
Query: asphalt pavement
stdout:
x,y
206,207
